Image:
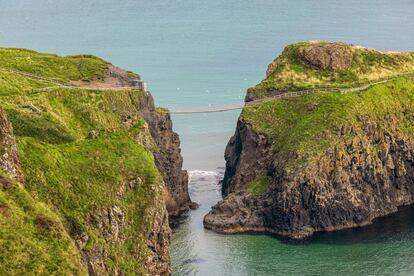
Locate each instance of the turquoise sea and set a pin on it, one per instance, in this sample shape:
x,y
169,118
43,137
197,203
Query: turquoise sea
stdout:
x,y
199,53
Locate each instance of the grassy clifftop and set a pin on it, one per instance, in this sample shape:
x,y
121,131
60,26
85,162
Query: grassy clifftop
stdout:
x,y
80,67
86,155
321,64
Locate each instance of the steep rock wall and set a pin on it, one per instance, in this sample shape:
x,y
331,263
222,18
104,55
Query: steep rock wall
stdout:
x,y
167,156
9,155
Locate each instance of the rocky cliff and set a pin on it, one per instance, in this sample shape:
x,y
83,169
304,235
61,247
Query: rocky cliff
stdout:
x,y
99,163
324,161
9,155
167,156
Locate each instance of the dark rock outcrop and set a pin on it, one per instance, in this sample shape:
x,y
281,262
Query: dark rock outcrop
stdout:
x,y
167,156
111,223
334,56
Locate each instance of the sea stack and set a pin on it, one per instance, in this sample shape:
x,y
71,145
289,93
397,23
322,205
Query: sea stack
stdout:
x,y
337,157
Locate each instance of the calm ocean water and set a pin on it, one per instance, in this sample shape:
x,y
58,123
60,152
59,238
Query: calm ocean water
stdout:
x,y
196,53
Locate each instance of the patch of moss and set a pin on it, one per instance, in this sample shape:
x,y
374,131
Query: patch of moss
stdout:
x,y
259,185
132,75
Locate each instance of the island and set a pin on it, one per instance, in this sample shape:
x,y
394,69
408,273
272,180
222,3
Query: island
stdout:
x,y
324,143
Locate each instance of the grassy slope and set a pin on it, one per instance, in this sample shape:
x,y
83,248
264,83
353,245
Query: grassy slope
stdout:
x,y
367,65
308,125
77,177
32,237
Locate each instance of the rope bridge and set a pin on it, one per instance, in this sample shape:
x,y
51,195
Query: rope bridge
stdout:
x,y
235,106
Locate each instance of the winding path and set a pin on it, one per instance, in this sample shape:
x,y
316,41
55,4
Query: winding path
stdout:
x,y
33,76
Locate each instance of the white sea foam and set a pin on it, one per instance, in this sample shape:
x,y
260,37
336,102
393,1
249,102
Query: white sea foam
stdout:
x,y
195,173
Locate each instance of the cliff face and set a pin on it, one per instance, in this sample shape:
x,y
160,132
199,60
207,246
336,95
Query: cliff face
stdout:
x,y
167,156
320,162
106,161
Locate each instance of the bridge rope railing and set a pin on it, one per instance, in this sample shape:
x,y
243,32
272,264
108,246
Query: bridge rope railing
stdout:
x,y
60,83
44,89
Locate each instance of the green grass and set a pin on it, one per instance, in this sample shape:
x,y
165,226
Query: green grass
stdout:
x,y
162,110
82,67
259,185
308,125
32,238
40,126
367,65
67,114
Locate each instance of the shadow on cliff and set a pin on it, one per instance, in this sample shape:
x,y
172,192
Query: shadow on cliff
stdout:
x,y
395,227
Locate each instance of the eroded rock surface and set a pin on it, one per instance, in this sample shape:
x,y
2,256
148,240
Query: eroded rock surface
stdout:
x,y
168,156
113,77
9,155
334,56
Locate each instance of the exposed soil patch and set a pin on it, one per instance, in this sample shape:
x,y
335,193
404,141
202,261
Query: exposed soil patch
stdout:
x,y
5,183
44,223
4,210
114,77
